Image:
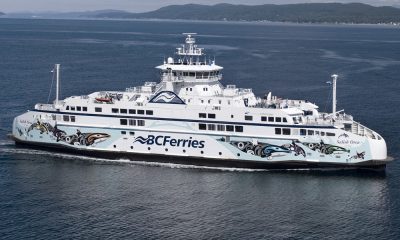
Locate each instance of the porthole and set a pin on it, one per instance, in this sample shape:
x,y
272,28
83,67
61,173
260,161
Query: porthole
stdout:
x,y
220,153
148,148
184,150
131,147
202,152
166,149
238,154
115,146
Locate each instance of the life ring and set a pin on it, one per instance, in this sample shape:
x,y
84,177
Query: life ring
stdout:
x,y
311,145
68,139
258,150
241,145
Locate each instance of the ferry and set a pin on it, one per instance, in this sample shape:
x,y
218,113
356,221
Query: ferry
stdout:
x,y
190,117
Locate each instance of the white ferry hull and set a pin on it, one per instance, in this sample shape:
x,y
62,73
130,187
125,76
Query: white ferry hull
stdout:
x,y
200,149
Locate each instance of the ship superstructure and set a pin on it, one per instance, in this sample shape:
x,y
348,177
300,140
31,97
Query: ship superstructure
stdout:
x,y
190,117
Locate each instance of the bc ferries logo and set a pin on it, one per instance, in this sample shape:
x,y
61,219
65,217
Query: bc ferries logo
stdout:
x,y
169,141
167,97
344,138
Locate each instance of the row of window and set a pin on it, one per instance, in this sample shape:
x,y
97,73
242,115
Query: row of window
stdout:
x,y
132,111
220,127
126,111
76,108
132,122
273,119
302,132
205,115
125,133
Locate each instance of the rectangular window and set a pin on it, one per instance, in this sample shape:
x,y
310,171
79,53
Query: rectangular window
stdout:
x,y
248,118
65,118
322,133
270,119
115,110
211,115
278,119
211,127
140,123
72,108
123,121
286,131
221,128
132,133
132,111
303,132
123,132
84,109
278,131
202,126
132,122
140,112
78,108
330,134
284,119
238,128
149,112
97,109
72,118
67,108
310,132
229,128
124,111
54,117
202,115
263,119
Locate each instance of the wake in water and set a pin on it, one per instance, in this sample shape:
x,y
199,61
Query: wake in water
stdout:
x,y
27,151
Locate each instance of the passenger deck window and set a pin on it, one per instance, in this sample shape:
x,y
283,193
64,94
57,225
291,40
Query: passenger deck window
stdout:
x,y
221,128
132,111
286,131
229,128
270,119
310,132
115,110
65,118
303,132
211,115
84,109
97,109
238,128
140,112
140,123
330,134
202,126
132,122
211,127
263,119
123,110
123,122
149,112
72,118
202,115
278,131
284,120
278,119
248,118
78,108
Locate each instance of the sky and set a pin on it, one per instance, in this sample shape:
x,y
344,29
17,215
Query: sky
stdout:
x,y
144,5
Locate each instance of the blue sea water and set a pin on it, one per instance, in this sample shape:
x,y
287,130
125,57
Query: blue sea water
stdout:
x,y
47,196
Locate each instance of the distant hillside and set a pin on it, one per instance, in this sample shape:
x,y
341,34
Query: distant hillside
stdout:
x,y
63,15
301,13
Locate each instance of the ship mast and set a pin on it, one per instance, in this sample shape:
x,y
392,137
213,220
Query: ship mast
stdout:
x,y
57,67
334,79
